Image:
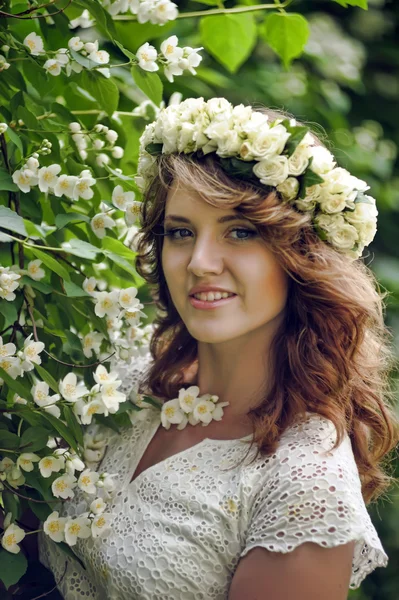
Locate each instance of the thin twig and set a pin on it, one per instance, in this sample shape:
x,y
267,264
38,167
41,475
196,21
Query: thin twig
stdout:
x,y
18,16
12,490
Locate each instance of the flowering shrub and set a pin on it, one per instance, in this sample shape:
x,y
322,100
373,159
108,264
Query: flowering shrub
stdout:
x,y
76,92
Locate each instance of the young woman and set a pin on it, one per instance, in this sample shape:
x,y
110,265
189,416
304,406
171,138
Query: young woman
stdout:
x,y
271,359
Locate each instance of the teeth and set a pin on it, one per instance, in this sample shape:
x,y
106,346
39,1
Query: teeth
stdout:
x,y
212,296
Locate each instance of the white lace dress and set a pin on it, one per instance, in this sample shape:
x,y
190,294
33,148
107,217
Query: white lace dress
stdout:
x,y
181,527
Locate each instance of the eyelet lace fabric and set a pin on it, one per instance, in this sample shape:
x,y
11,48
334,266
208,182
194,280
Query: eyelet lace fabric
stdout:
x,y
180,528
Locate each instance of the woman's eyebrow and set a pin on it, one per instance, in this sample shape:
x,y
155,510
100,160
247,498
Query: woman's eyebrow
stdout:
x,y
223,219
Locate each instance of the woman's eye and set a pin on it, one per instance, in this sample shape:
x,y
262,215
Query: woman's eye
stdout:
x,y
242,233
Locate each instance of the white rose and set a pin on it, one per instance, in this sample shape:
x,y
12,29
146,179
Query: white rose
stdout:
x,y
363,212
299,160
332,203
272,172
323,160
267,143
289,188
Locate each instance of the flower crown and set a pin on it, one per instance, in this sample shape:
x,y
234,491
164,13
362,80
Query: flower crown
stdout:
x,y
278,154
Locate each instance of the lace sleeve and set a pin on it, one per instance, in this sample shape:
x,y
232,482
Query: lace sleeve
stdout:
x,y
308,493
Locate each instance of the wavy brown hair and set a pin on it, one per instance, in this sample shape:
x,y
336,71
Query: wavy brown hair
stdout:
x,y
331,356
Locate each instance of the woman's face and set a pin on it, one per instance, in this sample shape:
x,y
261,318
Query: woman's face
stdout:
x,y
208,247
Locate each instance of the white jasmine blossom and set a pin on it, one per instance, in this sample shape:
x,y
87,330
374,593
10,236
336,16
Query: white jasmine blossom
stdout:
x,y
118,152
188,397
11,538
83,186
89,284
30,354
87,481
101,375
34,270
70,389
111,397
48,177
54,527
100,525
133,213
172,413
107,303
12,366
26,459
84,21
35,44
127,298
65,186
50,464
63,486
98,506
147,56
24,179
92,343
6,349
100,222
121,199
75,528
94,407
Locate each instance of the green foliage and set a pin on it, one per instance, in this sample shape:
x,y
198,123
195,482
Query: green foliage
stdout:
x,y
287,34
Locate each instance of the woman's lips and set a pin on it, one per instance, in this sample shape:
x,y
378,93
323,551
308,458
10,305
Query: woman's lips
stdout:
x,y
207,305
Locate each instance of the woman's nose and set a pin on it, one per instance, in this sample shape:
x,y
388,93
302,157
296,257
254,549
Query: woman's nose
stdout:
x,y
206,257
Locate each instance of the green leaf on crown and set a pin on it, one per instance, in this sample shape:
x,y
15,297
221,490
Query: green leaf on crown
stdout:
x,y
307,179
297,132
154,149
361,197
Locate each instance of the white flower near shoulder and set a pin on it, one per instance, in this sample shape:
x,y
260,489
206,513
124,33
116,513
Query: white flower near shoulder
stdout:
x,y
127,298
94,407
82,187
30,354
133,213
98,506
75,528
87,481
26,459
90,284
147,56
49,465
99,223
52,66
107,303
70,389
111,396
11,538
203,411
273,171
218,412
6,349
92,343
65,186
121,199
188,397
63,486
54,527
48,177
100,525
73,463
35,44
171,413
34,270
102,376
289,188
24,179
107,483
